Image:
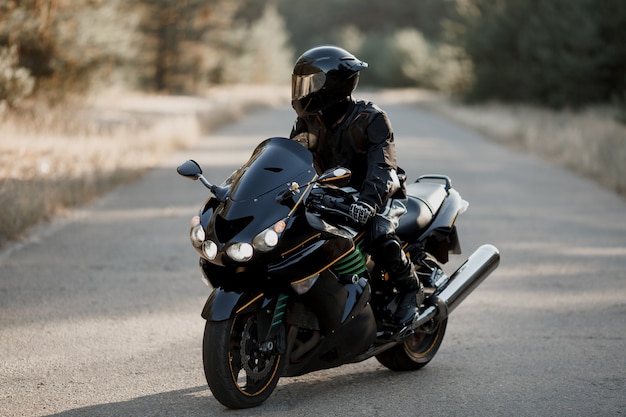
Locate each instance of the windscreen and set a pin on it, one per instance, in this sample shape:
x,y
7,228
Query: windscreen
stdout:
x,y
274,163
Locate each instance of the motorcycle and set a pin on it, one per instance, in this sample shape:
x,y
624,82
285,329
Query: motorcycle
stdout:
x,y
293,289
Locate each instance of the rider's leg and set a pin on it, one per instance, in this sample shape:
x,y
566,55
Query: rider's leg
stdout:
x,y
402,274
387,252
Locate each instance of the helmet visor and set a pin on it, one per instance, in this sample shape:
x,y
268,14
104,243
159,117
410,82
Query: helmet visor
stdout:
x,y
303,85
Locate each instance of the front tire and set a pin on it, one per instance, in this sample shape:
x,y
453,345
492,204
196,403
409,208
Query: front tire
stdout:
x,y
239,374
415,352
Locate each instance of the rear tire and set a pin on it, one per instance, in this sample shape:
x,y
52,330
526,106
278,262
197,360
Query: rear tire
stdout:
x,y
416,351
238,373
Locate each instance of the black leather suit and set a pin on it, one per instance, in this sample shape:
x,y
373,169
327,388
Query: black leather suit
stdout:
x,y
362,141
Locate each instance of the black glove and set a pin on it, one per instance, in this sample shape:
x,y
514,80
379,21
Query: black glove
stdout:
x,y
361,212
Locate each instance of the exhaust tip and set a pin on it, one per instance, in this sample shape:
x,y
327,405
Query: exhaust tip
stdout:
x,y
478,266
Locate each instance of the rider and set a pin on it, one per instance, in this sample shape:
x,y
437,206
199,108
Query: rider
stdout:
x,y
357,135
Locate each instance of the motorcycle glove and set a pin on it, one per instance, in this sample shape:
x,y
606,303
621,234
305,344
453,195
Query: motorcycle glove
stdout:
x,y
361,212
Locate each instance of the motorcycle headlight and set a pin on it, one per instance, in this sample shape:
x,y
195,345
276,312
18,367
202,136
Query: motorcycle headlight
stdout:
x,y
268,238
196,233
240,252
209,249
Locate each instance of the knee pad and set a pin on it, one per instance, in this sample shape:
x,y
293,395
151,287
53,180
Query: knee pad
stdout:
x,y
388,253
392,250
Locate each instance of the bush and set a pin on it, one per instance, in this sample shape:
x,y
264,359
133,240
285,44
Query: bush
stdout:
x,y
256,53
405,58
15,81
67,45
439,67
555,52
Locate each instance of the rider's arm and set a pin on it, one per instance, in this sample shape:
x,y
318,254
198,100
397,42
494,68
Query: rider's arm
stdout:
x,y
381,179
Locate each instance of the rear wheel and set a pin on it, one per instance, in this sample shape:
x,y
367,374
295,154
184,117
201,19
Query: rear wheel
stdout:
x,y
422,346
416,351
239,374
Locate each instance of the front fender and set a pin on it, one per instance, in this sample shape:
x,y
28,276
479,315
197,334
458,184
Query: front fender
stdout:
x,y
222,305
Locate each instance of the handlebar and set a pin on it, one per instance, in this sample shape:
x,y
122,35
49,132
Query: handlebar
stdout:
x,y
335,206
336,203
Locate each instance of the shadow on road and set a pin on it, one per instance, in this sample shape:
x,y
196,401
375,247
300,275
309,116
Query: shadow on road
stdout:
x,y
185,402
294,395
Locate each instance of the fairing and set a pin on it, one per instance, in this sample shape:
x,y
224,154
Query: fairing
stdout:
x,y
256,200
252,203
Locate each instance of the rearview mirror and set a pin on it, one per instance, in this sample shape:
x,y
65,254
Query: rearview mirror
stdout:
x,y
190,169
339,177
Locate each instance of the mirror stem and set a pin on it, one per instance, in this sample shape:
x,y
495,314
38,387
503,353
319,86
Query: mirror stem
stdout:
x,y
205,182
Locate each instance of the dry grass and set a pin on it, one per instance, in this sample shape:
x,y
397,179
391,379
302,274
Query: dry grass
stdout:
x,y
591,142
54,159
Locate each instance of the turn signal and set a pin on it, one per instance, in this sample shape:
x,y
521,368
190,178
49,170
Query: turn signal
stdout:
x,y
305,285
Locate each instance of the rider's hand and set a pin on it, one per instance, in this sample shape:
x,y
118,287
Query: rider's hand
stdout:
x,y
361,212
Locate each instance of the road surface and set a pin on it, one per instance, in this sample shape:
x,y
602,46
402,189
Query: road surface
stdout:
x,y
100,310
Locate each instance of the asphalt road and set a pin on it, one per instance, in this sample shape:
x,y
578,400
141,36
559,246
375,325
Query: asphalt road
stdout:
x,y
100,310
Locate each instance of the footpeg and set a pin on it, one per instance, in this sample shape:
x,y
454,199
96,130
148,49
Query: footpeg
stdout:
x,y
438,278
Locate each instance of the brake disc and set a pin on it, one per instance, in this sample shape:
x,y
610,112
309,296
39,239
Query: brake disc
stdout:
x,y
256,363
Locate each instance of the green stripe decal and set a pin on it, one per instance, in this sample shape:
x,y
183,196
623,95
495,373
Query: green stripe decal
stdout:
x,y
352,264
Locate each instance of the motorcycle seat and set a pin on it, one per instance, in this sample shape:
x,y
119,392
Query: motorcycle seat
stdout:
x,y
430,193
423,201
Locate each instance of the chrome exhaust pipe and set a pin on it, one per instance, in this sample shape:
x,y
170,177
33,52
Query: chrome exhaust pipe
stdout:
x,y
463,281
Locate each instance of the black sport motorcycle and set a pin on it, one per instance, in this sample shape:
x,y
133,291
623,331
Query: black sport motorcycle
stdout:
x,y
294,290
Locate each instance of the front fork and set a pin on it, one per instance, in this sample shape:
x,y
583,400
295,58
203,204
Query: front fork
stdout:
x,y
222,305
275,337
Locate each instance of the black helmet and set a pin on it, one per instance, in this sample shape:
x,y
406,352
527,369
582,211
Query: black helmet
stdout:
x,y
322,77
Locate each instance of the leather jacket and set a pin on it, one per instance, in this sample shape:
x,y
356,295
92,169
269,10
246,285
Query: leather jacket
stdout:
x,y
361,141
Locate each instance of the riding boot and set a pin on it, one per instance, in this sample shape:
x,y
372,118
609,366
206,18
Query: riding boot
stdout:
x,y
409,287
389,254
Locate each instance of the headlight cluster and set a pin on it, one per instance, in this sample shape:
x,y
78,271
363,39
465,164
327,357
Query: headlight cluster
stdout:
x,y
240,251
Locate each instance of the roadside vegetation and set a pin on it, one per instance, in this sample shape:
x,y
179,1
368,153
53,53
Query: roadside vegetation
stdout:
x,y
94,92
589,141
68,155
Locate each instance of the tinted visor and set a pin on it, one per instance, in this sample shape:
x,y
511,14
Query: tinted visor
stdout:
x,y
303,85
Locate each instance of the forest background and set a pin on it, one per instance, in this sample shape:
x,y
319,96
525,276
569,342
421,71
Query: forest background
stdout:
x,y
545,75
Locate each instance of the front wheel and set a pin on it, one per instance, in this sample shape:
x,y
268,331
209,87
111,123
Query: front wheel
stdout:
x,y
415,352
239,374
